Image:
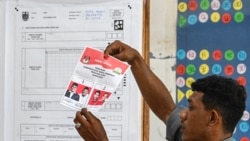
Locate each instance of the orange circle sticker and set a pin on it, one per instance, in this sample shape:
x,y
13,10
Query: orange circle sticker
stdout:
x,y
229,70
242,80
226,18
244,139
180,69
192,5
217,55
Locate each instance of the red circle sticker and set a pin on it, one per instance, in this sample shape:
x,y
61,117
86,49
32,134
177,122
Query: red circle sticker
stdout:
x,y
217,55
226,18
229,70
180,69
242,80
192,5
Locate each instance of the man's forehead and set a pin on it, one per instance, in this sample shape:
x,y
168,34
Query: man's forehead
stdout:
x,y
196,96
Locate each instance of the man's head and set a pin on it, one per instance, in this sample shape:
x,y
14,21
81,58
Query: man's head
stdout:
x,y
217,104
74,87
97,93
85,91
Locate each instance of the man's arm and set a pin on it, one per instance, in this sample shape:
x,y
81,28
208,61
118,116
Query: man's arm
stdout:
x,y
153,90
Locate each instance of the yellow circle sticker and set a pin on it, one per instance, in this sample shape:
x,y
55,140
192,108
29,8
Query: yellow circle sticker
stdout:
x,y
204,54
189,81
204,69
189,93
182,7
215,17
237,4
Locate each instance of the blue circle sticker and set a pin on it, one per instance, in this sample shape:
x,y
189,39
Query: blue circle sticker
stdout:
x,y
181,54
242,55
244,127
216,69
192,19
226,5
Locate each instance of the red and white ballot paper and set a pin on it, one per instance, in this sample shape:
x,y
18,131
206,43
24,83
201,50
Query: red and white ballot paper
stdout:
x,y
94,80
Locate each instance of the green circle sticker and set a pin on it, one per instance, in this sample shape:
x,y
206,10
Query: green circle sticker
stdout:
x,y
190,69
239,17
205,4
229,55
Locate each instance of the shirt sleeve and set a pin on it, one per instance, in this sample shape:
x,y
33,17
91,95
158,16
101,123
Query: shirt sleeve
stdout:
x,y
174,125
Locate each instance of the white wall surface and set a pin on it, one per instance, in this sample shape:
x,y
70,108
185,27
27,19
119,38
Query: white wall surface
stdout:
x,y
162,43
2,33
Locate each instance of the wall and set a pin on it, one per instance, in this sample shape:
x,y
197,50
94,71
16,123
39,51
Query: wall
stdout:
x,y
162,48
2,15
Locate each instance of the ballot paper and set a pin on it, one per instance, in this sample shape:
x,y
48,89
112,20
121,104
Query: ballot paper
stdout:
x,y
93,81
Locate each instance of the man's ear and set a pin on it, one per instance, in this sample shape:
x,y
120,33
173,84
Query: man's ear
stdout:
x,y
214,117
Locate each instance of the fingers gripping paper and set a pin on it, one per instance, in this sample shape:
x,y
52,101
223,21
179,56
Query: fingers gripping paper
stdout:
x,y
94,80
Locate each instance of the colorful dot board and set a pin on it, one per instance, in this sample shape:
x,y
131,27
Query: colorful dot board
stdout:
x,y
213,37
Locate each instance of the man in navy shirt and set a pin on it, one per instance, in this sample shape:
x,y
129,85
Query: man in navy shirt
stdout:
x,y
71,93
215,107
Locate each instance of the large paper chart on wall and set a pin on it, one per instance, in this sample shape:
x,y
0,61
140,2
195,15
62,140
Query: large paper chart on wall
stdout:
x,y
213,38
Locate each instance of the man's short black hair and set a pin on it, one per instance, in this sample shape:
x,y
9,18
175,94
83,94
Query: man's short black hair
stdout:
x,y
224,95
74,84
